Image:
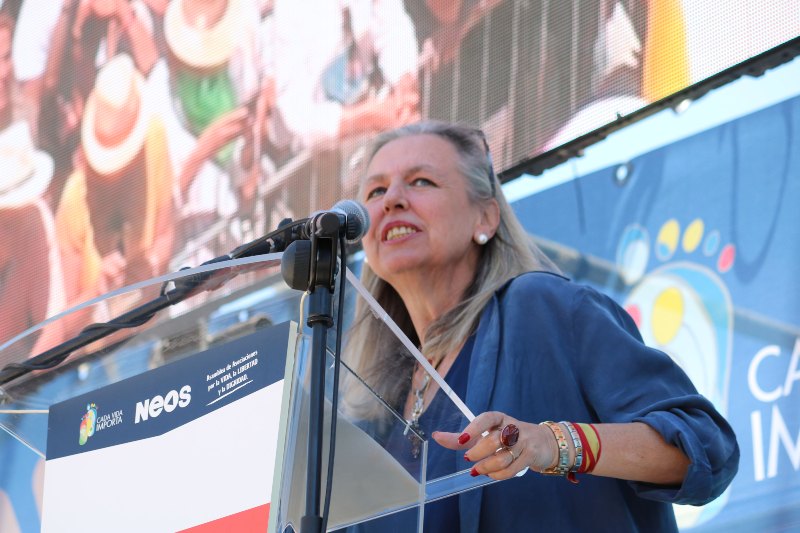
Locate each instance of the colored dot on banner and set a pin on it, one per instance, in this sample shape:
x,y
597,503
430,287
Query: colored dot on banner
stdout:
x,y
711,245
693,235
636,314
667,239
726,257
667,315
633,253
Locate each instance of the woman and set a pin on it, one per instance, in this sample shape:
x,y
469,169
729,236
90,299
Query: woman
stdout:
x,y
448,260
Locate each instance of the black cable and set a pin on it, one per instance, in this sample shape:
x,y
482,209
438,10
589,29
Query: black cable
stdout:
x,y
184,288
57,355
103,329
335,400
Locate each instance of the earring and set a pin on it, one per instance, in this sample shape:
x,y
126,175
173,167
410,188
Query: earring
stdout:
x,y
482,239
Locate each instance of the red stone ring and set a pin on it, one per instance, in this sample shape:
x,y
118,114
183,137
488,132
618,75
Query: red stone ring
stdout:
x,y
509,435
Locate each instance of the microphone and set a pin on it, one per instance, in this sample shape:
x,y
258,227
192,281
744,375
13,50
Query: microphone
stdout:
x,y
356,219
353,221
346,218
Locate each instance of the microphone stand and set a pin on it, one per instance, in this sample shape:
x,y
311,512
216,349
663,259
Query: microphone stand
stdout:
x,y
184,288
319,282
317,277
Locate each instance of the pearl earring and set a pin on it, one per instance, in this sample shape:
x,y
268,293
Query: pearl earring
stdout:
x,y
482,239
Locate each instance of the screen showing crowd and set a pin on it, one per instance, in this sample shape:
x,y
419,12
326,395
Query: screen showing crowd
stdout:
x,y
141,136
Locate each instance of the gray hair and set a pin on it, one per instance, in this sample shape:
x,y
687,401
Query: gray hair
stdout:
x,y
508,254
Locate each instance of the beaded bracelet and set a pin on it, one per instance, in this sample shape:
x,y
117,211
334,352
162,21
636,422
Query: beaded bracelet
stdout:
x,y
562,468
576,441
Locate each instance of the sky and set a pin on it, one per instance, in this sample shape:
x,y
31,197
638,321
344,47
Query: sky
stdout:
x,y
736,99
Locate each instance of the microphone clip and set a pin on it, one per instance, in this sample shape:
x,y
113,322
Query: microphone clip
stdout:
x,y
310,261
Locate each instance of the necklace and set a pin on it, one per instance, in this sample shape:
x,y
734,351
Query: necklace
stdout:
x,y
416,412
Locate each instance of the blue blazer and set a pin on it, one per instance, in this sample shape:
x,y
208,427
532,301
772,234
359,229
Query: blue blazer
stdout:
x,y
550,349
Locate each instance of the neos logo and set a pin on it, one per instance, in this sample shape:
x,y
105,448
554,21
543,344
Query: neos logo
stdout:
x,y
158,404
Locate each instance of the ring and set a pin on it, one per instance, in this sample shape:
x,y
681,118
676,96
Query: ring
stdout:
x,y
509,435
509,450
513,457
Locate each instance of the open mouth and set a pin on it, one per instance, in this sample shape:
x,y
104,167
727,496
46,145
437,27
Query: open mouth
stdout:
x,y
398,232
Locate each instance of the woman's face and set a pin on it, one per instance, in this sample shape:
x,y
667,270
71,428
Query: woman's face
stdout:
x,y
422,220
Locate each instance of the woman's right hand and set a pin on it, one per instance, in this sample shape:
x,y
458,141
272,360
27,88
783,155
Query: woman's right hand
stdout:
x,y
535,447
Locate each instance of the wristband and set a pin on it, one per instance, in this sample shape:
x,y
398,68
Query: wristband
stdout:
x,y
592,447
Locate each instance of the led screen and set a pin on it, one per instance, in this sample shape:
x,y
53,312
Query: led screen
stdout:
x,y
141,136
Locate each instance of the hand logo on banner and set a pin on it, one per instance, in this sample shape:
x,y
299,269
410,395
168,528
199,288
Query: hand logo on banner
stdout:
x,y
88,422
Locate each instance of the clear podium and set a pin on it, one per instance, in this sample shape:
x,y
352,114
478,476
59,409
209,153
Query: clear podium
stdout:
x,y
197,419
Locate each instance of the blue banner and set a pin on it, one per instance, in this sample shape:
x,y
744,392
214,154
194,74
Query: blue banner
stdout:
x,y
699,242
168,397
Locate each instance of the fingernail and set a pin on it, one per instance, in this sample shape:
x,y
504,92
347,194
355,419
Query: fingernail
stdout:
x,y
466,458
474,472
464,438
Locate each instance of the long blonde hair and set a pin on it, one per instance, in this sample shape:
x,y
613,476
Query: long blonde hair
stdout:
x,y
372,353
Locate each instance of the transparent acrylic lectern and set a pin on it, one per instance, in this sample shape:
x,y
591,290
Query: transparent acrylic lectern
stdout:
x,y
381,463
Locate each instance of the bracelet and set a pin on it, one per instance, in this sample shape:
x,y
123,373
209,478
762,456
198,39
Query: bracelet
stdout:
x,y
576,441
562,467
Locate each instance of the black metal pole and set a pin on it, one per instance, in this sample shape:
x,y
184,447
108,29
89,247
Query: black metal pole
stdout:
x,y
320,319
311,266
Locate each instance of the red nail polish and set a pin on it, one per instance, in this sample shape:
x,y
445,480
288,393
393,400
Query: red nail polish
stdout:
x,y
465,457
474,472
464,438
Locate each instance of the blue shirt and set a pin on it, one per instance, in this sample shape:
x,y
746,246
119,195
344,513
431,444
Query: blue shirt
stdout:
x,y
550,349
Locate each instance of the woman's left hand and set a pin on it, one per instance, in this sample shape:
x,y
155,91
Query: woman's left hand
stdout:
x,y
535,447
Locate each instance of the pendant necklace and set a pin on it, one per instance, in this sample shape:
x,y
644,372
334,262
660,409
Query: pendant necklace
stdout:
x,y
416,412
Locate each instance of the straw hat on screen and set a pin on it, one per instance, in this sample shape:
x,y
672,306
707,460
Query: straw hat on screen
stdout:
x,y
198,44
115,119
25,172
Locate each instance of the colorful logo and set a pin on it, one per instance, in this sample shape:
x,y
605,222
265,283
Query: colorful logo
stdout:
x,y
684,308
88,422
